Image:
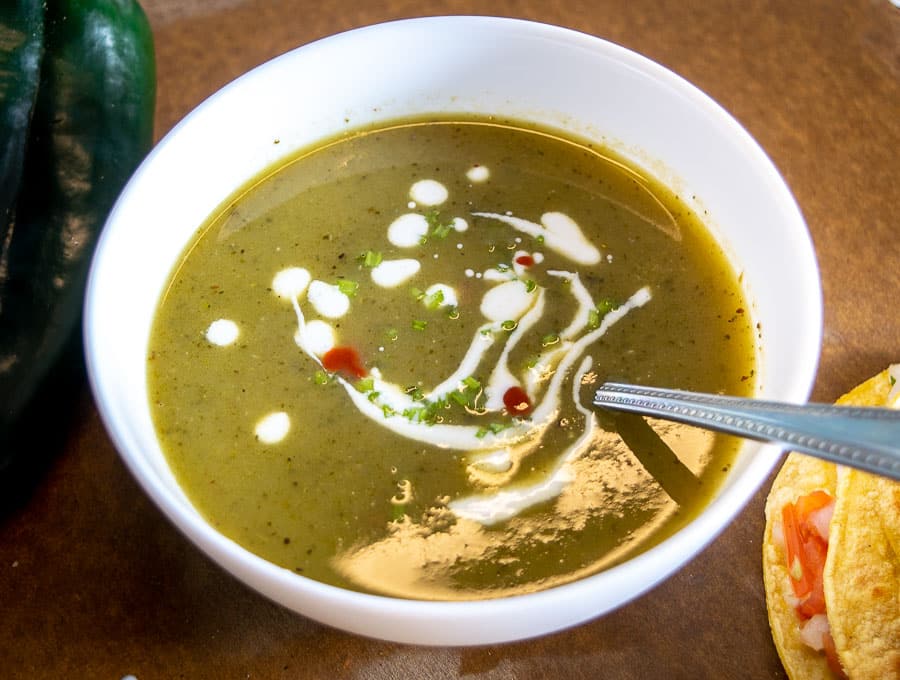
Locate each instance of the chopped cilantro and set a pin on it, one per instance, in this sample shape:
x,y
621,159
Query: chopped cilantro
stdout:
x,y
415,392
419,325
530,285
493,428
453,312
392,334
365,384
348,287
549,339
509,325
370,258
471,383
321,378
460,398
434,300
435,227
605,306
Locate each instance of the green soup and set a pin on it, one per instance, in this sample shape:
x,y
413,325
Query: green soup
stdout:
x,y
374,365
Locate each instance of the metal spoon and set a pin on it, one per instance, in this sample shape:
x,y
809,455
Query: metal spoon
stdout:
x,y
862,437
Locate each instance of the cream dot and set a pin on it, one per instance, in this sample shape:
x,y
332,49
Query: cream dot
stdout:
x,y
272,428
407,230
318,337
391,273
478,173
442,291
428,192
291,282
328,300
509,300
222,332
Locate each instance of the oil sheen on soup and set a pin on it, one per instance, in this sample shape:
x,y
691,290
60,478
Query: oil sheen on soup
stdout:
x,y
374,365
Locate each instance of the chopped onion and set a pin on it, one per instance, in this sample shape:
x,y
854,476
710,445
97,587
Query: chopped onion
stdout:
x,y
812,632
821,519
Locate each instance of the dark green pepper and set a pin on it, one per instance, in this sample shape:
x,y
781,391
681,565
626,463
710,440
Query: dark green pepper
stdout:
x,y
21,49
92,124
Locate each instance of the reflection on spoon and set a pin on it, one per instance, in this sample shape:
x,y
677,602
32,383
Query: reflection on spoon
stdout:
x,y
862,437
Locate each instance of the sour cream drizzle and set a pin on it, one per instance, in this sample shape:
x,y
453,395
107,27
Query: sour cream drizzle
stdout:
x,y
501,376
560,232
488,509
512,307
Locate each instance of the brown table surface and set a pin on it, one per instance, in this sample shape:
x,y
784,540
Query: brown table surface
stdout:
x,y
95,583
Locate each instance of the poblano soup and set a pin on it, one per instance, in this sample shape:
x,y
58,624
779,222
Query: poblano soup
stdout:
x,y
374,365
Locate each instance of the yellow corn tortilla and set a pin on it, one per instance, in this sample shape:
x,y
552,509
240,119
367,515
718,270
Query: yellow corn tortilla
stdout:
x,y
798,476
861,570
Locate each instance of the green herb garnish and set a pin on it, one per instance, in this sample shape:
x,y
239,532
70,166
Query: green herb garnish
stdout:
x,y
605,306
321,378
419,325
493,428
549,339
435,227
348,287
415,392
365,384
370,258
434,300
509,325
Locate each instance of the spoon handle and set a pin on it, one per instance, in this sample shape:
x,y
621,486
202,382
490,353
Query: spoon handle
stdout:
x,y
861,437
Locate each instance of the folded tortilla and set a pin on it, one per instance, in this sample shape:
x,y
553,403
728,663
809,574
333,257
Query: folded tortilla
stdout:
x,y
862,569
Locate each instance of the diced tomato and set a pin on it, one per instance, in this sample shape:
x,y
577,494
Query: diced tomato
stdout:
x,y
806,552
516,401
345,360
812,501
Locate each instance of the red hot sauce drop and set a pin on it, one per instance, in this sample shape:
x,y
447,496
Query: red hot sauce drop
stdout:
x,y
516,401
525,260
344,359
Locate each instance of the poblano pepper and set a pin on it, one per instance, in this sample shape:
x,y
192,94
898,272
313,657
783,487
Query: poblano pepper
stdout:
x,y
92,124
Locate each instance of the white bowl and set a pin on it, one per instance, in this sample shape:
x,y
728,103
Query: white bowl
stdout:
x,y
524,70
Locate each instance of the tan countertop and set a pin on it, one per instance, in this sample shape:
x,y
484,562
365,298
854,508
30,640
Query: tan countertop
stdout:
x,y
94,581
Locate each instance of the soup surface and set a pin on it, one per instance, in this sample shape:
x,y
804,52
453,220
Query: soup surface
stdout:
x,y
374,366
